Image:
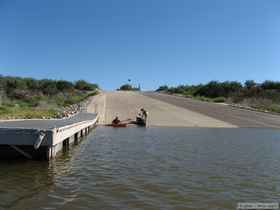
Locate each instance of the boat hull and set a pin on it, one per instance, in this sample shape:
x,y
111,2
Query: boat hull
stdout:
x,y
121,125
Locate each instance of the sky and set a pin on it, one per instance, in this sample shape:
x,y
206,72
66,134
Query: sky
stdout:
x,y
151,42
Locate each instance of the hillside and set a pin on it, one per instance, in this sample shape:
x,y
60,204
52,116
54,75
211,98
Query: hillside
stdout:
x,y
264,96
31,98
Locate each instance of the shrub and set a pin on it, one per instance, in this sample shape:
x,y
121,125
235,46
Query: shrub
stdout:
x,y
217,89
250,84
128,87
163,88
63,85
202,98
270,85
48,87
19,97
83,85
274,108
32,84
219,100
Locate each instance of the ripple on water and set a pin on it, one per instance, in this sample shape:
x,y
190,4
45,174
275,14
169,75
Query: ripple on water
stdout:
x,y
154,168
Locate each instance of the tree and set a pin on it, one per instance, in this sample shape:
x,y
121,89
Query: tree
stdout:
x,y
270,85
63,85
126,87
162,88
83,85
250,84
218,89
48,87
31,83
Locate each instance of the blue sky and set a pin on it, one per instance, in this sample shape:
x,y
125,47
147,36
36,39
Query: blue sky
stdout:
x,y
152,42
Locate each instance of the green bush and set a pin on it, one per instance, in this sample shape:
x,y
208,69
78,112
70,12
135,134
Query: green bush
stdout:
x,y
63,85
218,89
202,98
83,85
270,85
3,110
28,97
59,100
163,88
128,87
274,108
219,100
250,84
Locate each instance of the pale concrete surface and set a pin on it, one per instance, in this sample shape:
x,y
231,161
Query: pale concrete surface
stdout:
x,y
98,105
239,117
48,123
127,104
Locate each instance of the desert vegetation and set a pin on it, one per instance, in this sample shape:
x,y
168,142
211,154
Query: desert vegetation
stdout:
x,y
128,87
262,96
31,98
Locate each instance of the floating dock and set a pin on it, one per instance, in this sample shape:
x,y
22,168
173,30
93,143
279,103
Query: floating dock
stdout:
x,y
43,139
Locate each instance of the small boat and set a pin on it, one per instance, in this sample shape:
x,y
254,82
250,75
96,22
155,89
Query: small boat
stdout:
x,y
120,125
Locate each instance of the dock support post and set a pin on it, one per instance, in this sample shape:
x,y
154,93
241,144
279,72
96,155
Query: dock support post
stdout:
x,y
49,153
66,144
76,138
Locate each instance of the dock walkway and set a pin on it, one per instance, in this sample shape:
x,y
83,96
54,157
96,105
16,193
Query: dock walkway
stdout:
x,y
47,124
43,139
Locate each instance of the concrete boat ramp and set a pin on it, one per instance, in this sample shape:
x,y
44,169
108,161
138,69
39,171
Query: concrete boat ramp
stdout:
x,y
43,139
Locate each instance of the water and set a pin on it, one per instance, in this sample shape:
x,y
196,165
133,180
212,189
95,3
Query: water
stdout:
x,y
153,168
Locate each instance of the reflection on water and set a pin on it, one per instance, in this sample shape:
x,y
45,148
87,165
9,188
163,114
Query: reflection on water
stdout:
x,y
153,168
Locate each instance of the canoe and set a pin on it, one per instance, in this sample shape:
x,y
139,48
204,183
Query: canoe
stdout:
x,y
120,125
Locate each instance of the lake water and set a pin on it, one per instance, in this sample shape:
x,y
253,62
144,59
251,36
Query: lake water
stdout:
x,y
150,168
